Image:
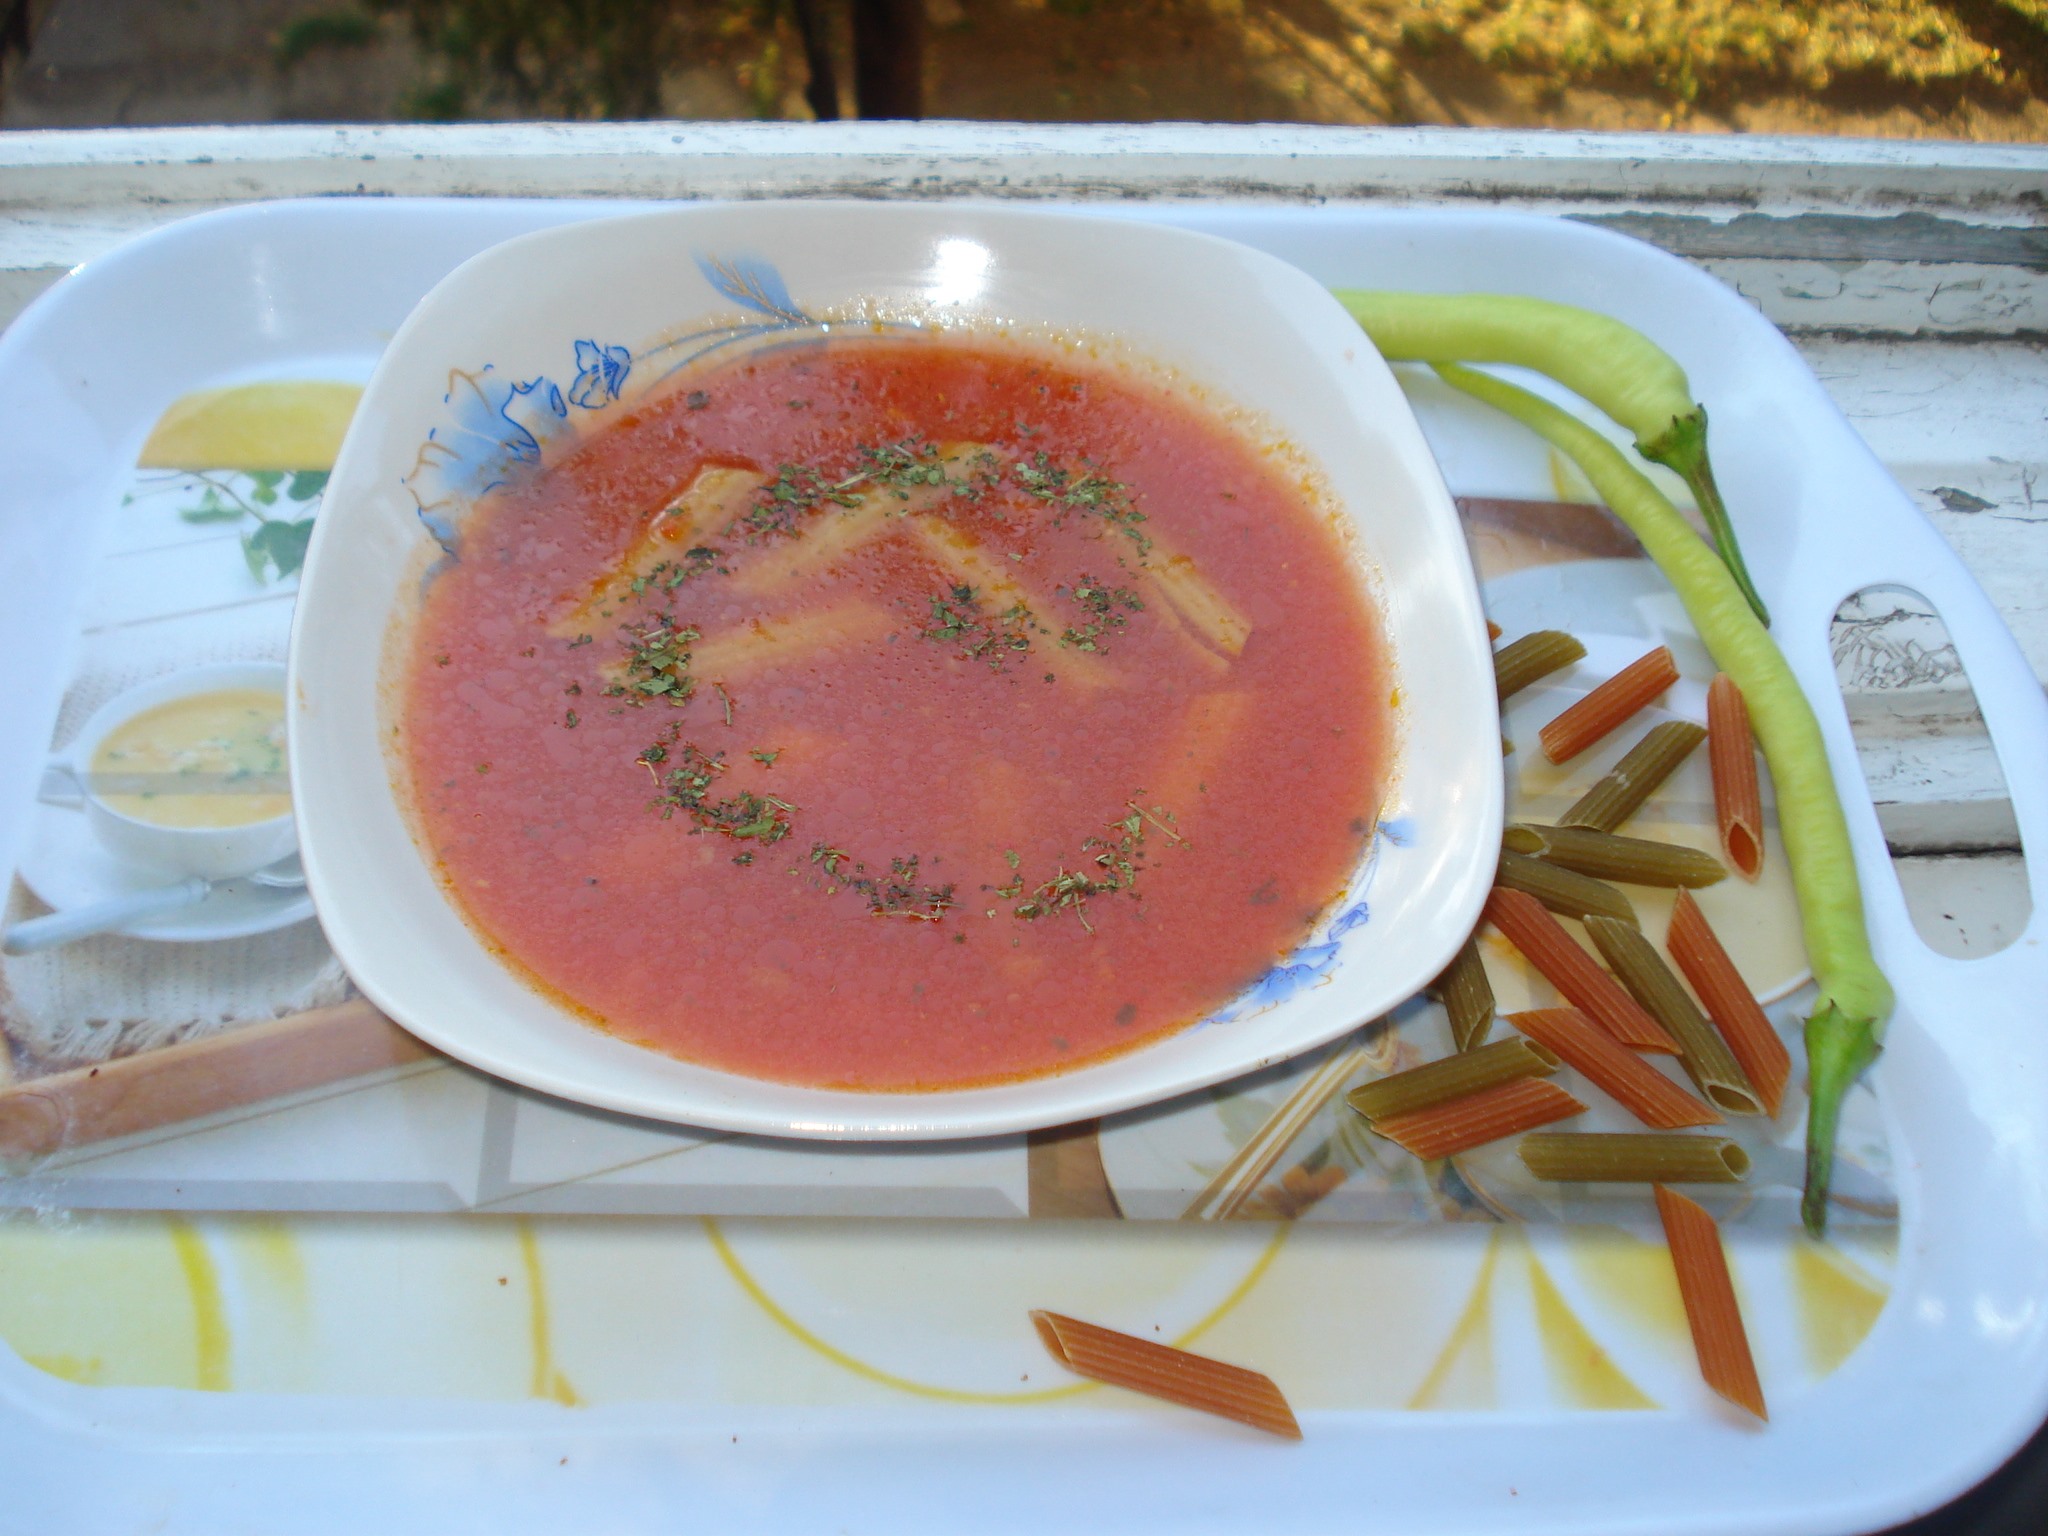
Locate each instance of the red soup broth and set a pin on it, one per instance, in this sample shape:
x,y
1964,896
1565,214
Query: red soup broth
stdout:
x,y
1097,661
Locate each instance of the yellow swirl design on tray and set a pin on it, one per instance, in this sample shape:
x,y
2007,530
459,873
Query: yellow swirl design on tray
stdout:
x,y
1472,1321
107,1301
1463,1375
548,1382
1838,1304
1630,1279
758,1293
212,1343
1585,1374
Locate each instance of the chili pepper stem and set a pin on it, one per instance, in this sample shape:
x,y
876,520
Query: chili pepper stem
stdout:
x,y
1838,1049
1682,448
1611,365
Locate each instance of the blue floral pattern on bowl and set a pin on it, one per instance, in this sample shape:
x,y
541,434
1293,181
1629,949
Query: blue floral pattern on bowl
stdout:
x,y
499,427
600,375
1314,963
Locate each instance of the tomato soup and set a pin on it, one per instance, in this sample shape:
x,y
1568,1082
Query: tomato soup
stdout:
x,y
899,714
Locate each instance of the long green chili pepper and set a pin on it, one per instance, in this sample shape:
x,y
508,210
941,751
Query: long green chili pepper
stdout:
x,y
1614,366
1855,999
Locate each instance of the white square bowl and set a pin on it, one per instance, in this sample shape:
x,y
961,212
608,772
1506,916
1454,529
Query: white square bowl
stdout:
x,y
527,345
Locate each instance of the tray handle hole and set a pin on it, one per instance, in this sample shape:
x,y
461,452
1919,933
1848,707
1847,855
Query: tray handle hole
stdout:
x,y
1932,771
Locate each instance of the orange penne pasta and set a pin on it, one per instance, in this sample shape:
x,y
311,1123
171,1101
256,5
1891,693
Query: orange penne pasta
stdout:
x,y
1492,630
1609,706
1738,801
1566,966
1159,1370
1729,1002
1506,1109
1632,1082
1718,1337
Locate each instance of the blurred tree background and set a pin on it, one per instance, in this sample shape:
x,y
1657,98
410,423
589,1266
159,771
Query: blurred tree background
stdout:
x,y
1958,68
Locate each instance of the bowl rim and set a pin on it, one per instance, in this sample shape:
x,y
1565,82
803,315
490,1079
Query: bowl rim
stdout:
x,y
110,716
936,1115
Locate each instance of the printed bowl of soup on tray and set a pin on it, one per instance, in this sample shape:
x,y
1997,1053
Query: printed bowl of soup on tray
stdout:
x,y
860,670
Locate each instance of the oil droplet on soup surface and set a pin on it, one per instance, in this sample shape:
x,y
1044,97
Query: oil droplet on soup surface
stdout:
x,y
207,760
954,728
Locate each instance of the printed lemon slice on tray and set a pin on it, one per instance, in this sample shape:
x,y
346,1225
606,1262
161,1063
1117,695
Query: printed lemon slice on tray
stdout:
x,y
281,424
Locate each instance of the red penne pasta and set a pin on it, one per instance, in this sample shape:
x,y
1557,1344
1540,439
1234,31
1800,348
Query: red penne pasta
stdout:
x,y
1566,966
1630,1081
1729,1002
1609,706
1718,1337
1738,801
1159,1370
1506,1109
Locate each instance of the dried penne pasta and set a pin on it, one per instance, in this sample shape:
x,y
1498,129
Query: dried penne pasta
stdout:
x,y
1536,655
1467,996
1492,630
1718,1337
1738,799
1566,966
1610,706
1632,1082
1644,767
1454,1077
1704,1055
1632,1157
1729,1002
1459,1125
1562,890
1159,1370
1605,856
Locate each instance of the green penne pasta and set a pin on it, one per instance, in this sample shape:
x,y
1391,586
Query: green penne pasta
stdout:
x,y
1521,662
1566,892
1605,856
1455,1077
1467,995
1701,1050
1632,1157
1635,778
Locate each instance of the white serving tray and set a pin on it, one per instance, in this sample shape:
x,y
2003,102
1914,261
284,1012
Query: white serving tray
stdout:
x,y
1951,1379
